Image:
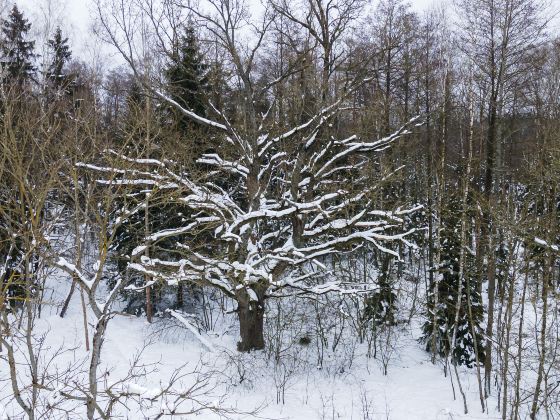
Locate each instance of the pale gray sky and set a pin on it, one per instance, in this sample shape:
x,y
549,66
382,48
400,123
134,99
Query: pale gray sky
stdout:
x,y
76,17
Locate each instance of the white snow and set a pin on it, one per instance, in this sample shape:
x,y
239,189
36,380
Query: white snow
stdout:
x,y
344,387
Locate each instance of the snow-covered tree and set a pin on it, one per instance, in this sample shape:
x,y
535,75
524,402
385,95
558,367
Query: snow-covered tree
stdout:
x,y
290,202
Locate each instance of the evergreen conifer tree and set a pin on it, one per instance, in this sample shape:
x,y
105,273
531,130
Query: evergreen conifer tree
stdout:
x,y
17,51
161,214
16,62
61,55
187,77
188,84
380,306
444,313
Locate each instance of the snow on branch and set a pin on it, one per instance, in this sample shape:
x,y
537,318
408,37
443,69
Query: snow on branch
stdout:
x,y
73,270
545,244
293,204
191,328
193,116
214,159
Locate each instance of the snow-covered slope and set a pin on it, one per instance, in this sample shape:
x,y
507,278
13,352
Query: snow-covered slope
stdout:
x,y
348,385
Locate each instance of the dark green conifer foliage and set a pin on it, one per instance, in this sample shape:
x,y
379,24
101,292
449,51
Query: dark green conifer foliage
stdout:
x,y
163,213
187,77
16,62
188,84
17,51
463,352
380,306
61,55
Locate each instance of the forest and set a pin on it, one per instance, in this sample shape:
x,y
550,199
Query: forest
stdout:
x,y
285,209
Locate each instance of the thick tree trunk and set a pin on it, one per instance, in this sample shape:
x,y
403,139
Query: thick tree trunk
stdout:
x,y
180,300
251,325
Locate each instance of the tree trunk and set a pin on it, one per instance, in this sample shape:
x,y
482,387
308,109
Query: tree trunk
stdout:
x,y
251,325
180,300
68,299
98,338
486,239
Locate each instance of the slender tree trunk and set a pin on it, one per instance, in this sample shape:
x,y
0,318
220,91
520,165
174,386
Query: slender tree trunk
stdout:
x,y
98,337
180,300
32,358
439,199
491,304
518,364
542,357
68,299
506,347
147,279
430,184
464,245
486,244
84,318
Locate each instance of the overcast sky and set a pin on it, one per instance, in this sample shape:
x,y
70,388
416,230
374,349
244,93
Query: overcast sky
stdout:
x,y
78,12
76,17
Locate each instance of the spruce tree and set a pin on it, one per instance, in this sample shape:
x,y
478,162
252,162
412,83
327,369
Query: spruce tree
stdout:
x,y
187,84
444,313
61,54
17,70
380,306
17,51
187,77
161,213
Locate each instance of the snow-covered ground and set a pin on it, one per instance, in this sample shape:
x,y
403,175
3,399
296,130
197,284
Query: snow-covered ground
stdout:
x,y
347,386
